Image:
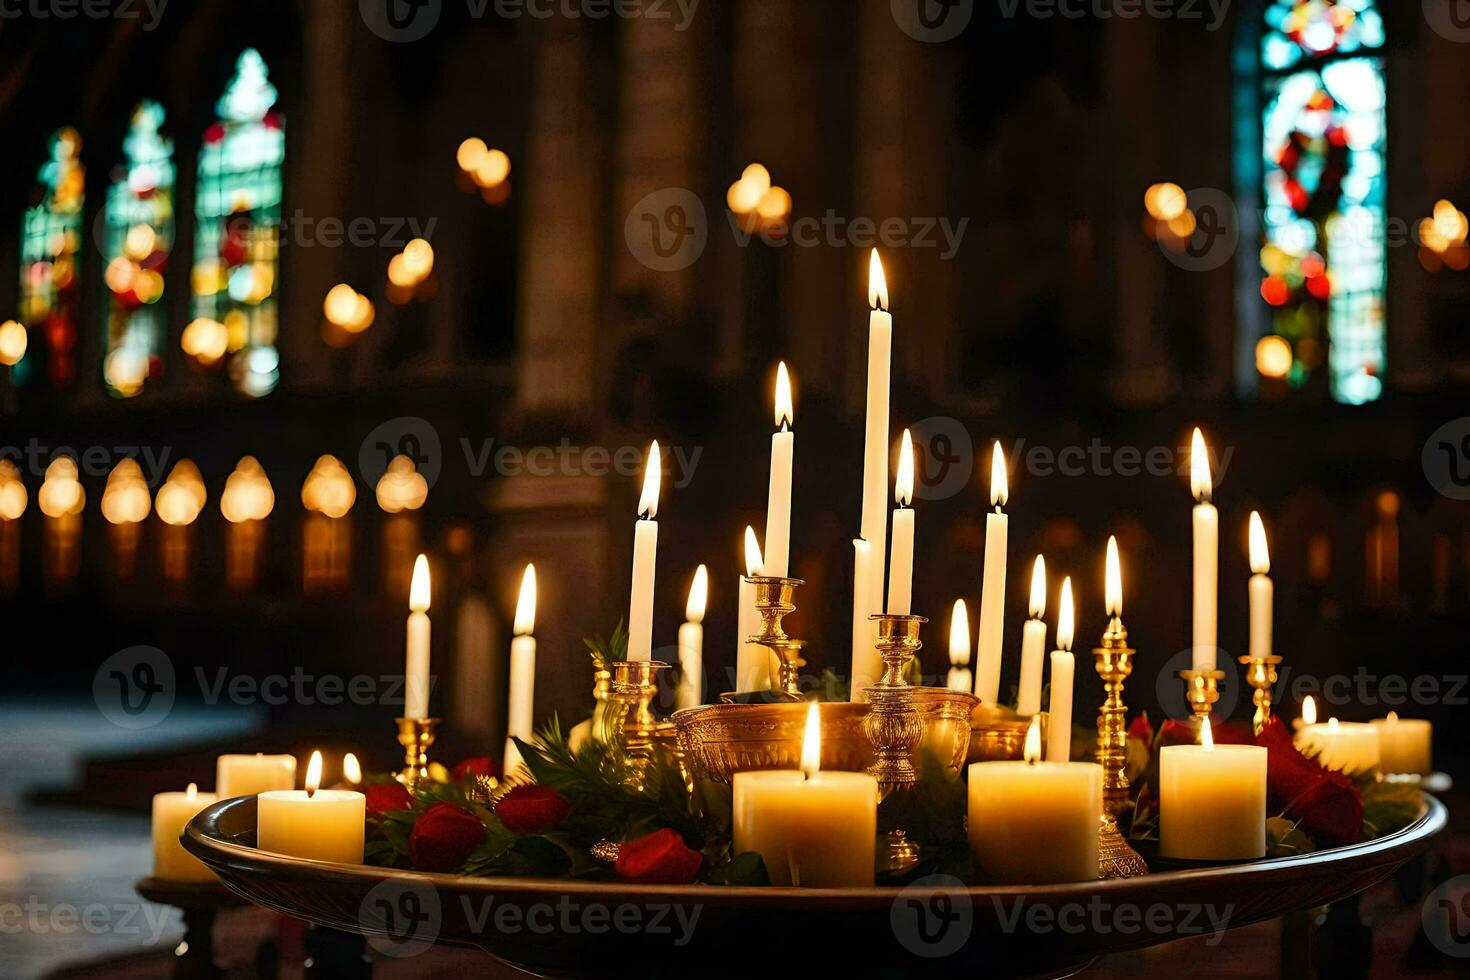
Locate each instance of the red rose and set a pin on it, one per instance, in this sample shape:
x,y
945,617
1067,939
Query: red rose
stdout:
x,y
443,837
1142,730
480,765
532,809
382,797
1326,804
1174,732
659,858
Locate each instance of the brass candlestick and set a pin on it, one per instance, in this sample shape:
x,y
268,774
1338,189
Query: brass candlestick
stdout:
x,y
1114,663
775,600
1261,674
1201,690
416,735
629,722
895,725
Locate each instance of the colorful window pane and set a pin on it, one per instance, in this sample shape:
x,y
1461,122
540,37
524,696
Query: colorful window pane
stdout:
x,y
237,212
138,240
50,253
1323,194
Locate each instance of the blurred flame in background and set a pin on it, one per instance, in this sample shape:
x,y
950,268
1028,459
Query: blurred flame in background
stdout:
x,y
484,170
759,204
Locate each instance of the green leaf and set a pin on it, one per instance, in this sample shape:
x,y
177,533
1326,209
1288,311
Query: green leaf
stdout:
x,y
1284,838
747,868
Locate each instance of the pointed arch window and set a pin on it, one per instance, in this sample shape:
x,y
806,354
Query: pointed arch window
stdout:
x,y
237,214
50,259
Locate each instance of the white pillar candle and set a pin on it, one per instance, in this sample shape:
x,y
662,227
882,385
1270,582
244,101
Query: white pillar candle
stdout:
x,y
645,554
246,775
1033,644
753,661
171,811
416,667
867,574
960,678
1405,745
691,643
318,824
778,496
901,571
520,712
1262,592
1346,747
993,588
1206,555
813,829
1212,800
875,442
1063,667
1034,822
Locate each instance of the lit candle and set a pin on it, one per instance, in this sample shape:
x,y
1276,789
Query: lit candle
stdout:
x,y
1212,800
691,642
521,710
867,664
1206,555
246,775
993,589
171,811
959,649
645,553
1346,747
351,770
868,559
1405,745
1063,666
318,824
1034,822
416,670
1033,644
901,570
752,661
778,497
814,829
1262,592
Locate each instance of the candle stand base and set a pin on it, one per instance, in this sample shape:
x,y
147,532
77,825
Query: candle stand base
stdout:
x,y
1260,673
900,854
775,599
1115,859
629,723
416,735
1201,690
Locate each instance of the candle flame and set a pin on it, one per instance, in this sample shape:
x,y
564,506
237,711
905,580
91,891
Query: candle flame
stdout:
x,y
1309,711
1033,741
784,413
1200,483
1065,617
192,791
754,563
698,596
959,634
1113,580
1260,555
903,484
418,588
313,774
1206,735
1393,716
648,502
1000,490
1038,588
811,742
525,621
877,284
1332,724
351,769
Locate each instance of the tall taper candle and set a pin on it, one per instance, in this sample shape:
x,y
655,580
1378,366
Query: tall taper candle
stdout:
x,y
645,556
520,713
691,643
993,589
901,569
875,444
416,666
1206,555
1059,725
867,664
1033,644
960,678
752,661
778,496
1262,592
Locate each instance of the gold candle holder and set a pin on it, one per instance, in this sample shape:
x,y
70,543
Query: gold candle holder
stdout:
x,y
1114,663
416,735
1261,674
998,734
629,722
894,724
775,600
1201,690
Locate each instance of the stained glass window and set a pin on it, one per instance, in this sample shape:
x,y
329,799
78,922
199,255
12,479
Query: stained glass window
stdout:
x,y
50,252
138,239
238,217
1322,191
